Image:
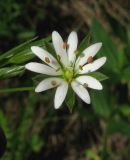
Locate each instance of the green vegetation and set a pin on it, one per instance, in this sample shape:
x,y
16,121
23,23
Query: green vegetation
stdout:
x,y
34,129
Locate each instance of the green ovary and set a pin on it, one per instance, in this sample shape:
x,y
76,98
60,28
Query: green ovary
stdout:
x,y
68,74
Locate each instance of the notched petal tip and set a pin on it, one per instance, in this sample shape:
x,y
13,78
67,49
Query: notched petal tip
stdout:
x,y
56,106
27,66
37,90
104,59
55,34
98,46
99,43
74,33
89,101
101,88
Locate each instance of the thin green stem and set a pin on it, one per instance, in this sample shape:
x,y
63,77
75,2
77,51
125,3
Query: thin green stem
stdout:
x,y
9,90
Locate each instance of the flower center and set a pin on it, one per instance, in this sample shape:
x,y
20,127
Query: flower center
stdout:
x,y
68,74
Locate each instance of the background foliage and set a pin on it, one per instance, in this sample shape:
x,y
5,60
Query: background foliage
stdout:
x,y
34,130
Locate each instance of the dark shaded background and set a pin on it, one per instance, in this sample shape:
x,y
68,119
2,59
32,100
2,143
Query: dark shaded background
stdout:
x,y
34,130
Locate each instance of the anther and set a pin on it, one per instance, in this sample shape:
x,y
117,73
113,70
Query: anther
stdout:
x,y
53,83
89,71
47,60
80,67
57,69
76,52
85,85
90,59
65,45
58,57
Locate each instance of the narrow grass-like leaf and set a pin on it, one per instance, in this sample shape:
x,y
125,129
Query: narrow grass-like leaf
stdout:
x,y
50,48
84,43
20,89
22,57
16,49
8,72
109,49
101,103
23,53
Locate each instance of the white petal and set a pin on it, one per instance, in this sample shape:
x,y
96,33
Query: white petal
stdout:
x,y
43,55
60,94
41,68
58,45
81,91
48,84
90,82
89,52
72,44
91,67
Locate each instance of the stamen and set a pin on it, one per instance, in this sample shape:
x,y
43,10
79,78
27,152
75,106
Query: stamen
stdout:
x,y
58,57
80,67
89,71
47,60
90,59
57,69
76,52
53,83
65,45
85,85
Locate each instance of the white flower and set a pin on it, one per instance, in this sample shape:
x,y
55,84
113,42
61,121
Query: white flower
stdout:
x,y
67,69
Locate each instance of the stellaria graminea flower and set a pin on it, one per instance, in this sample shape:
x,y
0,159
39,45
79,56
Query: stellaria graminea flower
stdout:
x,y
67,69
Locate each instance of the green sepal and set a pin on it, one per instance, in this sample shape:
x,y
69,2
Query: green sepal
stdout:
x,y
84,43
99,76
70,99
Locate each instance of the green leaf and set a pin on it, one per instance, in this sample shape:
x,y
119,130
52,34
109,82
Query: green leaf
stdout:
x,y
125,109
5,125
15,50
39,78
109,49
50,48
84,43
36,143
22,53
101,103
99,76
26,35
25,54
8,72
70,99
22,57
119,126
91,154
126,74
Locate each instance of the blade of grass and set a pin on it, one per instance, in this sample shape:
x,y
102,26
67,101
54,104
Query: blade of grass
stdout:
x,y
9,90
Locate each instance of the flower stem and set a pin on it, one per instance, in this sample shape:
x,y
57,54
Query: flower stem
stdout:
x,y
8,90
